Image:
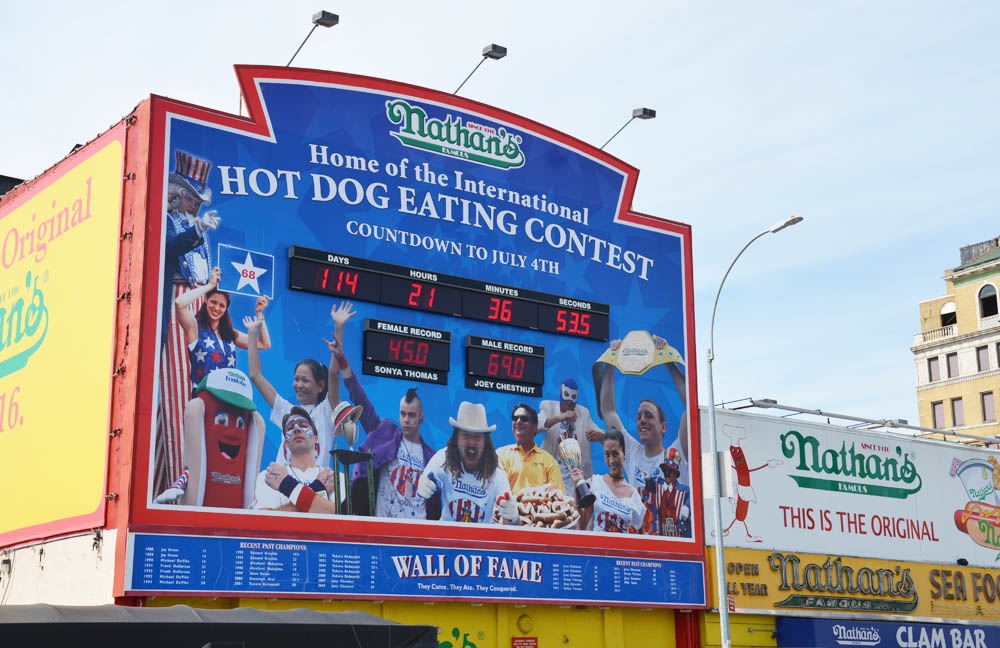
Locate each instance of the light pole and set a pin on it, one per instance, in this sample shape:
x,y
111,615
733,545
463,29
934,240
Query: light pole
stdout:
x,y
319,19
720,563
637,113
491,51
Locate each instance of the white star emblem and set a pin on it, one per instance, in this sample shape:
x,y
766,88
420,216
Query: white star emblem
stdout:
x,y
248,274
232,361
200,355
232,347
210,343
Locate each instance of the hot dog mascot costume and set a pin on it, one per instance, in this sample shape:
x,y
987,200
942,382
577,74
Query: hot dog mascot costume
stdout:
x,y
222,442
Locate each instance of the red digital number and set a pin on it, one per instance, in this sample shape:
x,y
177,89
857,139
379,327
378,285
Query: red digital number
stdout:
x,y
408,351
349,279
505,365
500,309
326,275
573,322
415,290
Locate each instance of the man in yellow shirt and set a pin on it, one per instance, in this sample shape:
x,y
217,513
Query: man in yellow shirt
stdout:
x,y
525,463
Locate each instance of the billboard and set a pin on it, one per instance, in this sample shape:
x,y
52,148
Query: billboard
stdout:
x,y
796,583
819,488
463,305
59,255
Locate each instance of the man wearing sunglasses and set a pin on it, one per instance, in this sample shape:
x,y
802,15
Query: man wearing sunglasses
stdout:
x,y
301,485
526,464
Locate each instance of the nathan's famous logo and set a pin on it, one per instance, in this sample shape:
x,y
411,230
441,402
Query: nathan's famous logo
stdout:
x,y
474,142
22,326
856,635
833,585
848,462
981,516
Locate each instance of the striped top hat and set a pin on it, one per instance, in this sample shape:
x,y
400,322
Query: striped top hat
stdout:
x,y
191,172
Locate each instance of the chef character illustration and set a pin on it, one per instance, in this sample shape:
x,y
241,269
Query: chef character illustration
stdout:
x,y
745,494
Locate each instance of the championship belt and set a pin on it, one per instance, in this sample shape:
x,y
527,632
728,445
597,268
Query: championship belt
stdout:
x,y
636,355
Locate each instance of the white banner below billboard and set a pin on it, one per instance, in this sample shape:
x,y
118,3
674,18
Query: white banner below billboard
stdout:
x,y
817,488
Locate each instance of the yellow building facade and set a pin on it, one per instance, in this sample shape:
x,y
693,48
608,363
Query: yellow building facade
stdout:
x,y
957,352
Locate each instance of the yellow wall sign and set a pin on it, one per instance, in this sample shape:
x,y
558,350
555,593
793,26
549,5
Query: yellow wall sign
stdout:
x,y
782,582
58,266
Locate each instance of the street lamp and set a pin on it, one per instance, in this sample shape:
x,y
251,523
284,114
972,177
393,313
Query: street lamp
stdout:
x,y
319,19
491,51
637,113
720,570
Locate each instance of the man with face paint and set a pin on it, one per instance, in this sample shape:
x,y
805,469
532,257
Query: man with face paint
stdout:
x,y
474,487
565,419
300,485
222,441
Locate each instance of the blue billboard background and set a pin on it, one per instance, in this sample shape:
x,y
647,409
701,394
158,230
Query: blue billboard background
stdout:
x,y
354,122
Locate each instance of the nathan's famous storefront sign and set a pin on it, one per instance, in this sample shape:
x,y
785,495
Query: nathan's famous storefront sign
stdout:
x,y
58,269
819,488
794,583
464,278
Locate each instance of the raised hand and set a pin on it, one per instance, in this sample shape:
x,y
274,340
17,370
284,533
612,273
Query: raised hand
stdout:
x,y
342,312
261,304
251,324
213,280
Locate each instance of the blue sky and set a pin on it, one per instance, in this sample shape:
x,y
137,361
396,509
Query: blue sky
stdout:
x,y
877,122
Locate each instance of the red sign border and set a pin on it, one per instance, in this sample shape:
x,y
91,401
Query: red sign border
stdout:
x,y
363,529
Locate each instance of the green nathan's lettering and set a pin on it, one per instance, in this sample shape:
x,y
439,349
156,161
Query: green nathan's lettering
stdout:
x,y
453,137
847,461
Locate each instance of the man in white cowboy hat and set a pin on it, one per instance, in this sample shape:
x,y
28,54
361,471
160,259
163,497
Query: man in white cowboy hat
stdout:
x,y
473,486
300,485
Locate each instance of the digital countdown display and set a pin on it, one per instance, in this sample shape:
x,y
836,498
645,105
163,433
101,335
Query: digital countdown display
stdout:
x,y
340,275
465,256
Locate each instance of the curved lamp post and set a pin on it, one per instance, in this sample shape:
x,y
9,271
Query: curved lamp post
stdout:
x,y
720,570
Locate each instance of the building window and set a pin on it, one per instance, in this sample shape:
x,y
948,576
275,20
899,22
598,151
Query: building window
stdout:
x,y
952,359
933,369
937,413
989,409
957,411
987,301
983,358
948,316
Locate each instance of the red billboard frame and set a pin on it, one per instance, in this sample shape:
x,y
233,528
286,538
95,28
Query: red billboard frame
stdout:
x,y
364,529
